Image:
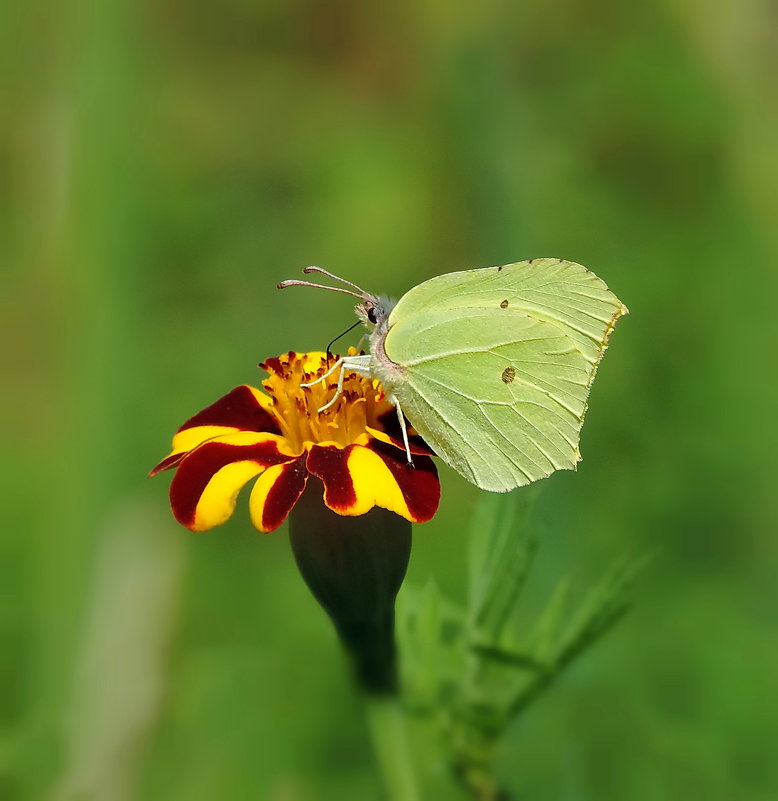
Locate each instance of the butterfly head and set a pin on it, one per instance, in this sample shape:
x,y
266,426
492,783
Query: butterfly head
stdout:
x,y
374,311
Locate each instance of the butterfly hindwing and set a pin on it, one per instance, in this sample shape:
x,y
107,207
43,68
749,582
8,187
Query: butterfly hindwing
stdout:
x,y
503,413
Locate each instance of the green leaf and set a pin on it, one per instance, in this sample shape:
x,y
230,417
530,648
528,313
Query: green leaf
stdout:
x,y
509,657
502,548
545,635
429,630
604,604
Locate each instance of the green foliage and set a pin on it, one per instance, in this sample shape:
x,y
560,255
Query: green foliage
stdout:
x,y
501,553
476,673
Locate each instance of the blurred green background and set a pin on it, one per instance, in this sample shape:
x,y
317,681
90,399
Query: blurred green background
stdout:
x,y
163,165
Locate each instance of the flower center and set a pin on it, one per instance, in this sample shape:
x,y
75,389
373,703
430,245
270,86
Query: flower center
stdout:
x,y
360,404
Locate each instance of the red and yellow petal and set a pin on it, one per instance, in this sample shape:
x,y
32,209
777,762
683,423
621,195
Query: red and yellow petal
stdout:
x,y
206,485
357,478
242,409
275,492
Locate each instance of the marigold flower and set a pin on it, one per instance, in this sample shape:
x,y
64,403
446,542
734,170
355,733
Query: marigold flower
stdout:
x,y
354,447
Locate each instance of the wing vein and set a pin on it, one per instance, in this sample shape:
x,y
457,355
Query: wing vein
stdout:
x,y
453,428
468,351
516,446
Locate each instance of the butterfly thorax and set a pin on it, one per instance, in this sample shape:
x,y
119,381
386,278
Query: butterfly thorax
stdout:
x,y
374,311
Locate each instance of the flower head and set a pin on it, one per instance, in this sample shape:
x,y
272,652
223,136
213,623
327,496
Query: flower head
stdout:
x,y
280,439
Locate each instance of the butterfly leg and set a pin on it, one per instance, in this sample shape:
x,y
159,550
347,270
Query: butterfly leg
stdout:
x,y
357,364
404,430
338,363
338,391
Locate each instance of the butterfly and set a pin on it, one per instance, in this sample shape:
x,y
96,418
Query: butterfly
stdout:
x,y
492,367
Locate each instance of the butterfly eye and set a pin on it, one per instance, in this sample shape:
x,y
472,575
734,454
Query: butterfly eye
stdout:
x,y
371,315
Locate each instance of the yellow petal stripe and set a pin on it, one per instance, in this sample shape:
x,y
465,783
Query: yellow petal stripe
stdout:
x,y
217,501
374,484
259,493
190,438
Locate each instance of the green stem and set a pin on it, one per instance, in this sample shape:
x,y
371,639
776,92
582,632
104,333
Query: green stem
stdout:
x,y
390,743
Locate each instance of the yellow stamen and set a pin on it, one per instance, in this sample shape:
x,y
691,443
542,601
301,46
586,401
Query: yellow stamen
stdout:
x,y
296,408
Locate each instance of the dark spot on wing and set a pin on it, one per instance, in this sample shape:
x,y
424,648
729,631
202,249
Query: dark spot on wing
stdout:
x,y
508,374
504,304
499,268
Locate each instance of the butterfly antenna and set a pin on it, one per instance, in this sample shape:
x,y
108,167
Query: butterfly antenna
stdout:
x,y
334,277
295,282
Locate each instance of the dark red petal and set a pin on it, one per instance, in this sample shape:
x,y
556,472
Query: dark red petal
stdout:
x,y
239,408
166,464
198,467
330,464
419,484
283,494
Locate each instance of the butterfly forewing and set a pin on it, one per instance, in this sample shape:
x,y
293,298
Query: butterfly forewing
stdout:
x,y
498,366
554,290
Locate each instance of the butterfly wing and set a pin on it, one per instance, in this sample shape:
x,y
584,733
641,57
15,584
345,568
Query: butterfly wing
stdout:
x,y
498,364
